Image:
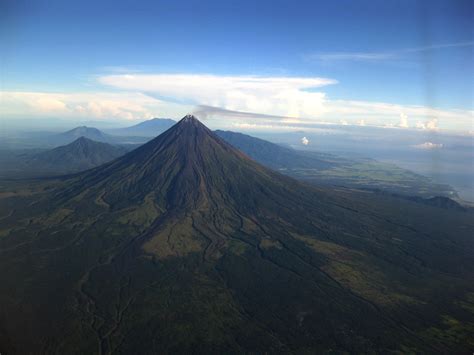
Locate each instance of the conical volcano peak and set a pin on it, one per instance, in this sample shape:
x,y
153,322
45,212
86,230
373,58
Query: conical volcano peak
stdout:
x,y
183,166
190,119
82,140
189,126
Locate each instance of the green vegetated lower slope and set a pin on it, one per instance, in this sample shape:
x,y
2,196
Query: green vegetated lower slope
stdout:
x,y
185,245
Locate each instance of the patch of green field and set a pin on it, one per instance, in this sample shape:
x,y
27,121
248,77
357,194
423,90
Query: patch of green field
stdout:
x,y
356,271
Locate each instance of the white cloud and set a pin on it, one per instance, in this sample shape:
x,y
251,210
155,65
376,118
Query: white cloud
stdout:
x,y
286,96
305,141
102,105
349,56
429,145
403,121
244,126
384,114
222,118
430,125
226,101
379,56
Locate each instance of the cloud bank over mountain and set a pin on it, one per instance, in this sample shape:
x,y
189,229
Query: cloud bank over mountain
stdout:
x,y
230,101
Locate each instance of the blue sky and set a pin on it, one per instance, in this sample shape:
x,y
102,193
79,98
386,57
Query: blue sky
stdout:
x,y
404,64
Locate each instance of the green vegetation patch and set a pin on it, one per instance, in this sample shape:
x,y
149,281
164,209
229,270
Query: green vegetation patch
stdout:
x,y
176,239
269,243
143,215
451,331
354,270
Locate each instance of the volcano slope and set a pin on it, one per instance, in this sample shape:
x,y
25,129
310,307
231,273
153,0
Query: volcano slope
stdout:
x,y
185,245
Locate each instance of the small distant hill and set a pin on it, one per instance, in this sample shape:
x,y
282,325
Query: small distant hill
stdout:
x,y
95,135
149,128
82,154
83,131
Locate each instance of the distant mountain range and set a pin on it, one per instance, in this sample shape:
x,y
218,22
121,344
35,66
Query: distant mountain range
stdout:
x,y
186,245
310,166
313,167
149,128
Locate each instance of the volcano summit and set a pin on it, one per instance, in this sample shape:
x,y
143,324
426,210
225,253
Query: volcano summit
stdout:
x,y
186,245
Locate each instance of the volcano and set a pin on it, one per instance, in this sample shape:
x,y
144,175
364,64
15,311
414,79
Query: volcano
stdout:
x,y
186,245
82,154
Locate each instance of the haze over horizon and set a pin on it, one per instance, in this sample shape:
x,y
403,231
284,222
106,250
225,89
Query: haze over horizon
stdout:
x,y
404,64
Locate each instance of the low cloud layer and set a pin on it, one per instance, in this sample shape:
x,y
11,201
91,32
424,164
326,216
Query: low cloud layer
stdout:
x,y
228,100
293,97
101,105
286,96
